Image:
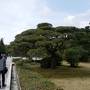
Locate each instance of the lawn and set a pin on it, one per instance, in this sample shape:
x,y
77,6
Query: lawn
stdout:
x,y
30,80
32,77
65,71
66,77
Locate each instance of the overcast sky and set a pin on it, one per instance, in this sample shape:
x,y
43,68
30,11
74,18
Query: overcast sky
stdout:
x,y
19,15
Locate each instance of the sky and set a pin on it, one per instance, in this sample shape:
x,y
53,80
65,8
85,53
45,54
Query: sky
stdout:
x,y
17,16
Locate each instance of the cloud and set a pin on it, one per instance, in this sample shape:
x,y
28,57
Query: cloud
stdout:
x,y
70,18
46,11
79,20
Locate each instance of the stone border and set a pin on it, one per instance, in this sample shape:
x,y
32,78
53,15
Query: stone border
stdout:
x,y
18,82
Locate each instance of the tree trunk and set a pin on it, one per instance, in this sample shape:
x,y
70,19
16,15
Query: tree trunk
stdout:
x,y
53,63
72,65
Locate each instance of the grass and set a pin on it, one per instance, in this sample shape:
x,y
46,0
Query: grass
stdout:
x,y
66,77
63,72
32,77
30,80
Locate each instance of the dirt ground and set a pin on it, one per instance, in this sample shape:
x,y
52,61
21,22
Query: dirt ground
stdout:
x,y
81,81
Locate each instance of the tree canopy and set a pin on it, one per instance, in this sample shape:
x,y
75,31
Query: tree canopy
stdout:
x,y
52,44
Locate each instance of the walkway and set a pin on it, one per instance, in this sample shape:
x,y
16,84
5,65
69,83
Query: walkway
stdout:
x,y
8,75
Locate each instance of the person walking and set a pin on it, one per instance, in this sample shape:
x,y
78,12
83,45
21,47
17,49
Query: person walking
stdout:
x,y
2,68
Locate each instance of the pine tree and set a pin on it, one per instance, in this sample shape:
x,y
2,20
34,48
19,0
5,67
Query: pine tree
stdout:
x,y
2,46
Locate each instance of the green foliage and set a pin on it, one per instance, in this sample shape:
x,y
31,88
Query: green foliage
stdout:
x,y
73,55
39,52
87,27
2,47
44,26
66,29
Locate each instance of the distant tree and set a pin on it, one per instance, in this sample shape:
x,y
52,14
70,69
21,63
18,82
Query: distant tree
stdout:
x,y
87,27
2,47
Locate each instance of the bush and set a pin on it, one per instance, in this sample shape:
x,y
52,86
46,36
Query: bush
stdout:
x,y
73,55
